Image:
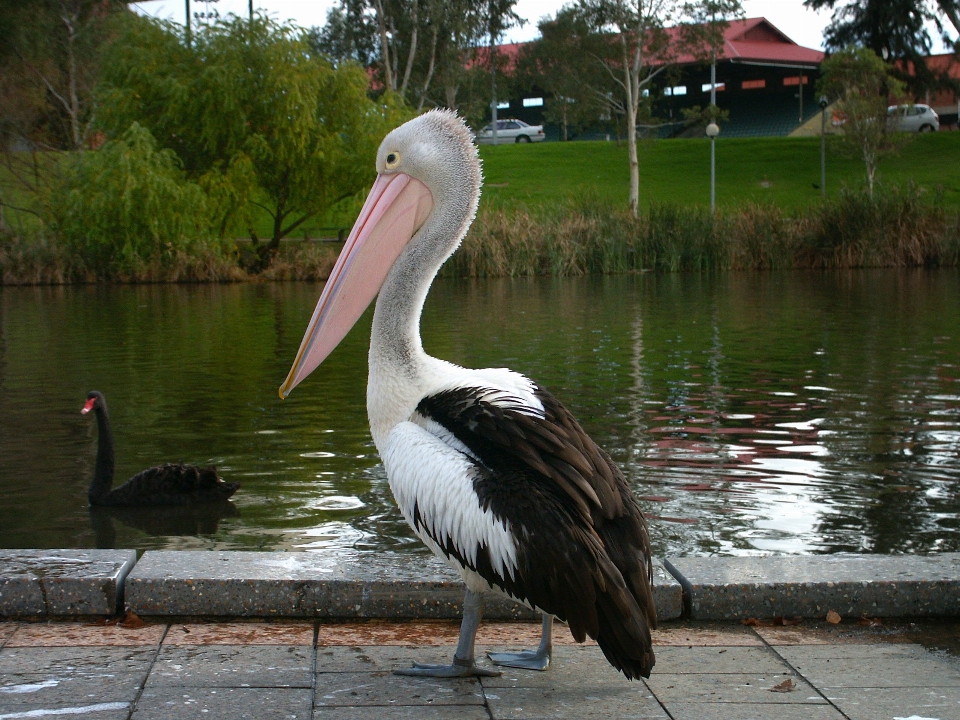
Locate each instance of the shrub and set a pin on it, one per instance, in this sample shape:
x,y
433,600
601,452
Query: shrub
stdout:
x,y
127,205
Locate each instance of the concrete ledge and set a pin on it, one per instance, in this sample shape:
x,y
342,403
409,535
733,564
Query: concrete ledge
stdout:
x,y
277,584
62,582
733,588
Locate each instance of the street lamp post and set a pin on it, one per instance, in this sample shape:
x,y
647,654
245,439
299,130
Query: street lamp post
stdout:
x,y
712,131
823,146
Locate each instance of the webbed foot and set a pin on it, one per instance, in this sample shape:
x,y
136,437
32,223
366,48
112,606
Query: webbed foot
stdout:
x,y
525,659
446,671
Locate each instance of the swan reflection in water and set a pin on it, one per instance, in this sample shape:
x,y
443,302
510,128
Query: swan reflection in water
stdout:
x,y
161,521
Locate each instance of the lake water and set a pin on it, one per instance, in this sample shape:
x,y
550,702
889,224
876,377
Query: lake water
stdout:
x,y
789,412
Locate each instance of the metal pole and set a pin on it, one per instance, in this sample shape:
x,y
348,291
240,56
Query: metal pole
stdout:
x,y
188,21
250,9
823,152
713,140
800,94
493,75
713,175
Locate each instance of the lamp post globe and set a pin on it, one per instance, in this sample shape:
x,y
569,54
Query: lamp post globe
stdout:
x,y
713,130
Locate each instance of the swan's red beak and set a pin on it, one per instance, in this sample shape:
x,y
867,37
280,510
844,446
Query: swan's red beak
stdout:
x,y
394,211
89,406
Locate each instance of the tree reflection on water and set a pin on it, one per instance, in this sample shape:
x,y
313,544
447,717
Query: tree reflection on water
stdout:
x,y
795,412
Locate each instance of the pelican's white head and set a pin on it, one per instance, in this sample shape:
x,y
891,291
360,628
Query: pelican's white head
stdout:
x,y
423,201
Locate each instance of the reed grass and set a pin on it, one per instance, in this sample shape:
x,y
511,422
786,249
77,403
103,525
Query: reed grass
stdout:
x,y
898,227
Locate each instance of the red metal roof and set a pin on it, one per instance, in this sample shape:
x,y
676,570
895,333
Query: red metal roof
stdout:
x,y
757,40
750,40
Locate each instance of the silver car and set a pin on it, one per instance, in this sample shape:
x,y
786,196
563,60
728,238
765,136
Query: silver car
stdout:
x,y
509,131
912,118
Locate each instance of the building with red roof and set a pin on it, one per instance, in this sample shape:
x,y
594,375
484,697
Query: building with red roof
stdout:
x,y
764,80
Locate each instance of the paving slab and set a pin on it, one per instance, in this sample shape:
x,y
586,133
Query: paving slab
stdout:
x,y
277,584
91,711
865,669
729,588
92,660
731,688
179,703
579,684
22,692
403,712
69,634
233,666
386,689
240,633
753,711
898,703
62,582
571,666
694,660
580,701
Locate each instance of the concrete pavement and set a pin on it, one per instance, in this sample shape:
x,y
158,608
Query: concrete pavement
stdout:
x,y
858,670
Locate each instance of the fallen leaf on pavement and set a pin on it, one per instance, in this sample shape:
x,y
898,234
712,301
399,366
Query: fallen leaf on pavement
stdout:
x,y
132,621
833,617
787,685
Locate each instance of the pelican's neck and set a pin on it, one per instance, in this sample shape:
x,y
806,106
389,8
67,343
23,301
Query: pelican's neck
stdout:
x,y
400,370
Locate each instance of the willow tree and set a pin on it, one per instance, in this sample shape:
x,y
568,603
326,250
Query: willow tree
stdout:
x,y
254,114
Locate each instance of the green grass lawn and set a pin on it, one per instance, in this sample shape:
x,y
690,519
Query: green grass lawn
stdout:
x,y
781,171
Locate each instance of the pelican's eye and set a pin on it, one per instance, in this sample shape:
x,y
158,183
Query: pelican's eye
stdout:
x,y
393,159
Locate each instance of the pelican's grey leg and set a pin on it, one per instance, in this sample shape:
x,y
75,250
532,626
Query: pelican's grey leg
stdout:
x,y
463,659
538,659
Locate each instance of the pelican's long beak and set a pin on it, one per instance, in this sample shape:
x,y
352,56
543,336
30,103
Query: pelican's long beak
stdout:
x,y
394,211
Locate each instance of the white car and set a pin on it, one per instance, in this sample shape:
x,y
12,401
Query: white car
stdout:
x,y
510,131
912,118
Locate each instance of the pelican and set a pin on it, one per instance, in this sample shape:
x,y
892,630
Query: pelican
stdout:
x,y
492,473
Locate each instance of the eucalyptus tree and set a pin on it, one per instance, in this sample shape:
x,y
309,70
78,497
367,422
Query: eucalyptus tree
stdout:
x,y
422,50
49,60
896,30
860,82
560,64
255,116
639,46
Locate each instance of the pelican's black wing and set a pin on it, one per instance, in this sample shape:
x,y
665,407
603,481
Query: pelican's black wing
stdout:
x,y
583,550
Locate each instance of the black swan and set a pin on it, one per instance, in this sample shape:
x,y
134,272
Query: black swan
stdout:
x,y
168,484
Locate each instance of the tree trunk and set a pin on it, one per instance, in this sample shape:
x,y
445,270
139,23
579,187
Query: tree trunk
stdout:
x,y
631,107
451,91
384,46
73,109
433,58
413,51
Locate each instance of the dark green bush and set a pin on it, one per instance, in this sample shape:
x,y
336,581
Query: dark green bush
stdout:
x,y
128,204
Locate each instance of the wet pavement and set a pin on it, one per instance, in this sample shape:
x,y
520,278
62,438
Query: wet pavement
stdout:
x,y
864,670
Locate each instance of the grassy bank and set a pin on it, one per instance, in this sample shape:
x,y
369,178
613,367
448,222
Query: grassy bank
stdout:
x,y
780,171
47,263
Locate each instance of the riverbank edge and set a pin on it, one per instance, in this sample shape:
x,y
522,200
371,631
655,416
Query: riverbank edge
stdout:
x,y
71,584
898,227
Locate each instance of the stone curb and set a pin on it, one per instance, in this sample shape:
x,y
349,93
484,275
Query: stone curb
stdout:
x,y
271,584
63,582
735,588
70,583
